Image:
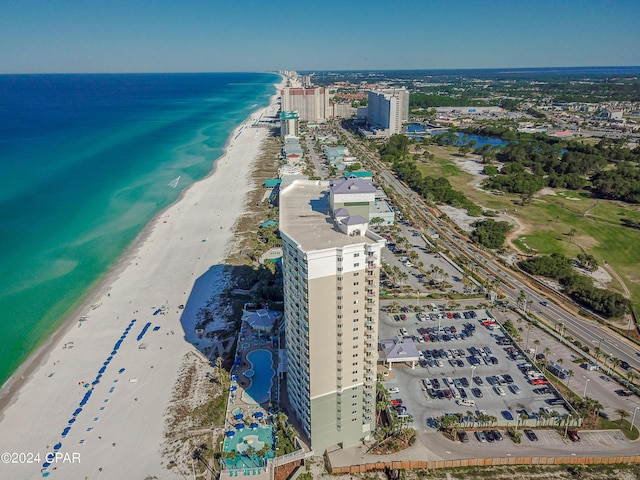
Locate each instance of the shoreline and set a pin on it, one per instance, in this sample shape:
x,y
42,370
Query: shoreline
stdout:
x,y
238,147
8,388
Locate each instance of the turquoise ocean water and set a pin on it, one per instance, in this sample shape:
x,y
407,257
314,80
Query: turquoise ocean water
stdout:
x,y
85,162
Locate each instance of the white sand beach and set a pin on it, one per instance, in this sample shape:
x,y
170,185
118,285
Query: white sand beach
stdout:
x,y
94,395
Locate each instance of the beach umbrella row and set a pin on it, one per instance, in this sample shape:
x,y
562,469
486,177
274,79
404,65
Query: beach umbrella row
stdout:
x,y
88,394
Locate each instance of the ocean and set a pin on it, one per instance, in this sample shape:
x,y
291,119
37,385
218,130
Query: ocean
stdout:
x,y
85,162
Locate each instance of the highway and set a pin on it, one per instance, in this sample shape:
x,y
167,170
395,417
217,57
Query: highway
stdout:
x,y
590,334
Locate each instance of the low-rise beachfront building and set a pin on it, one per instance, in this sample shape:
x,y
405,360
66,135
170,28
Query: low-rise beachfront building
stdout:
x,y
331,270
289,124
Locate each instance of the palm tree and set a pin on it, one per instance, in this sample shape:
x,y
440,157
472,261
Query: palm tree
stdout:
x,y
536,342
570,374
596,407
597,353
631,376
622,413
615,361
522,300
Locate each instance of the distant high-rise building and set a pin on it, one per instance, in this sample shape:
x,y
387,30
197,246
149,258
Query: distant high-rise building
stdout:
x,y
387,109
312,104
331,270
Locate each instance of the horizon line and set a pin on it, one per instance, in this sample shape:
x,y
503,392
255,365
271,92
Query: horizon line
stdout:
x,y
196,72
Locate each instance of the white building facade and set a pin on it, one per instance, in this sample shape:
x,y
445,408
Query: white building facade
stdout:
x,y
331,269
388,109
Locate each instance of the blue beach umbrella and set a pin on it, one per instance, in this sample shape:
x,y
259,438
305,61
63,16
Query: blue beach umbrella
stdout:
x,y
240,426
57,446
230,433
254,426
238,416
258,414
234,388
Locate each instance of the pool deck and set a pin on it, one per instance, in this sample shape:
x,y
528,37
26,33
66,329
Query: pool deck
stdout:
x,y
256,341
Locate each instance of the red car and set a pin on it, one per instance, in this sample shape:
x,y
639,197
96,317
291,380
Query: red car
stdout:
x,y
396,402
426,337
453,329
539,381
573,435
403,316
449,315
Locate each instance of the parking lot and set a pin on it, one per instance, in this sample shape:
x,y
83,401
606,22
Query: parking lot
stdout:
x,y
464,370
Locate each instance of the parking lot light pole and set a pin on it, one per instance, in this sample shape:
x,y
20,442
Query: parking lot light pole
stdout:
x,y
586,383
633,420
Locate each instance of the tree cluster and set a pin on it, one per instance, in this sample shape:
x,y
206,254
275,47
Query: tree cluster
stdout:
x,y
489,233
534,161
579,287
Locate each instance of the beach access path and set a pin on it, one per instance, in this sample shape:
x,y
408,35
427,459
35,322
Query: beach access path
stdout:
x,y
95,396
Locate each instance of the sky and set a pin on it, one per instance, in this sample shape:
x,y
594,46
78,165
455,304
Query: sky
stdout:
x,y
114,36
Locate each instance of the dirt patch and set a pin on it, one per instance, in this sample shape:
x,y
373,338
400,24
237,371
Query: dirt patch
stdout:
x,y
601,278
549,191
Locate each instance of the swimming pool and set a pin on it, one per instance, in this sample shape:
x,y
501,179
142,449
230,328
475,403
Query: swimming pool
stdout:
x,y
254,439
262,365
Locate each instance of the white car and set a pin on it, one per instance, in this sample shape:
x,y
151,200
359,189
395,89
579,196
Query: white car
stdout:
x,y
500,391
393,390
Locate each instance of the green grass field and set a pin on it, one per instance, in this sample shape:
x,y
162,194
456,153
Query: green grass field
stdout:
x,y
550,218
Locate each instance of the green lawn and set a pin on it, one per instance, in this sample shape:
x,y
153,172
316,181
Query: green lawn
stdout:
x,y
550,218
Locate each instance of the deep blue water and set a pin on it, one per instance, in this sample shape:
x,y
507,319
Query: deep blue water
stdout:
x,y
262,366
85,163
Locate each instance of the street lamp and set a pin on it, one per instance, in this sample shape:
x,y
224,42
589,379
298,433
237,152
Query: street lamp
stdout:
x,y
633,420
584,394
561,326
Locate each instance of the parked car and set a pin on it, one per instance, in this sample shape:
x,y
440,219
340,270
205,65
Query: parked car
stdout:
x,y
481,437
507,415
573,435
393,390
477,392
500,391
463,436
497,435
531,435
514,389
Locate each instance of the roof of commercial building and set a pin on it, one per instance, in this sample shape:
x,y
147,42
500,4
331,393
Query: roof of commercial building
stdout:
x,y
305,217
351,185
